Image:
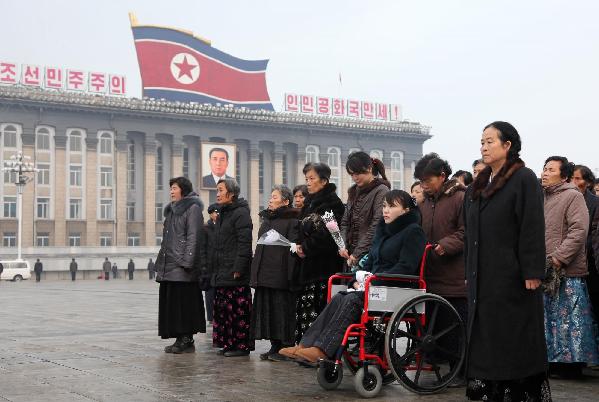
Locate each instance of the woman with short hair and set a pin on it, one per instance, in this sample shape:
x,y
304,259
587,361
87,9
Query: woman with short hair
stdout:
x,y
230,260
180,305
300,193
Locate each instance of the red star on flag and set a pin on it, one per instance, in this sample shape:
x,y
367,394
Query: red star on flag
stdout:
x,y
185,68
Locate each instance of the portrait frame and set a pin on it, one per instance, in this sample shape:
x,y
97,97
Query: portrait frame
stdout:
x,y
207,179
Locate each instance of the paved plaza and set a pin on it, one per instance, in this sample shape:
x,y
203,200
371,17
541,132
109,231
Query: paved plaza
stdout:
x,y
97,341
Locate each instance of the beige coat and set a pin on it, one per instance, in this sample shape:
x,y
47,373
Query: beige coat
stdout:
x,y
566,227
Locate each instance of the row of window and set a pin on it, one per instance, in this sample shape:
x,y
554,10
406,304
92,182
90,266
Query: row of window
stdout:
x,y
10,135
75,175
9,239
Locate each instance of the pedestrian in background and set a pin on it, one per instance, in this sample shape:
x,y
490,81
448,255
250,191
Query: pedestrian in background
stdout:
x,y
151,269
115,271
477,167
106,268
570,329
364,207
180,306
73,269
206,274
300,193
505,262
130,269
38,268
230,259
416,192
273,309
1,270
464,177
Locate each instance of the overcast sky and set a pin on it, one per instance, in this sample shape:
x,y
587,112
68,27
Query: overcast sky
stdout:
x,y
452,65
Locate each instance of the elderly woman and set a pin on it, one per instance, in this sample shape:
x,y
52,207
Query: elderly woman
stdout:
x,y
230,259
505,262
364,205
316,246
180,306
397,248
273,312
569,324
299,195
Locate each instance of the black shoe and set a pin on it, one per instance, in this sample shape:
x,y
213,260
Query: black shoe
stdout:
x,y
264,356
220,352
186,346
236,353
277,357
169,348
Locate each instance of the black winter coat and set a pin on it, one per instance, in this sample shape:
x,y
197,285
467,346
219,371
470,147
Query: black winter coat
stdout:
x,y
179,258
206,273
38,267
504,246
322,254
232,248
274,266
130,266
73,266
592,202
397,247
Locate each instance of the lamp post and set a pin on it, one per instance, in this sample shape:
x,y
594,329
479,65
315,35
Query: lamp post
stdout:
x,y
18,163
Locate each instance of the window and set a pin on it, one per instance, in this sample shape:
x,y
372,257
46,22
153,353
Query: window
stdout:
x,y
133,239
42,240
334,162
43,176
375,153
105,177
131,166
106,209
159,167
311,154
75,208
75,141
237,167
75,175
9,239
159,216
106,144
397,170
74,239
10,207
261,172
285,173
106,239
10,177
9,133
158,239
43,208
186,162
131,211
42,139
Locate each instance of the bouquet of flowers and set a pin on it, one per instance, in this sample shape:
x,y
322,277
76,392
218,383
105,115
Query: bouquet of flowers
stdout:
x,y
274,238
333,228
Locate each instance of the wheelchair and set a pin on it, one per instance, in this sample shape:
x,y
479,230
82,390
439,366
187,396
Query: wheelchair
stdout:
x,y
404,334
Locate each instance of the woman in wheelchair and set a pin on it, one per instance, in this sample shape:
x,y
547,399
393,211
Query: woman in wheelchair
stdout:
x,y
397,248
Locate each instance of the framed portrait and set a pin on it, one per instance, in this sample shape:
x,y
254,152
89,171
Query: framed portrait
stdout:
x,y
218,162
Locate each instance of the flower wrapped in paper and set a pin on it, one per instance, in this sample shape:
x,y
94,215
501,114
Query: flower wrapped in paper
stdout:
x,y
274,238
333,228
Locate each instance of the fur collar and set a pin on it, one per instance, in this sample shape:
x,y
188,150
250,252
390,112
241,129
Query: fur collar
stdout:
x,y
481,185
179,207
281,213
354,190
400,223
449,188
322,200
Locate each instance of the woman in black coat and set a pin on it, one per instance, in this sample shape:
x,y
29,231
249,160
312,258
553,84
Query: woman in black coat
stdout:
x,y
317,248
230,259
180,308
505,262
397,248
273,312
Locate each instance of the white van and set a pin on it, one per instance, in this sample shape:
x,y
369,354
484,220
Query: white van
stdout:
x,y
15,271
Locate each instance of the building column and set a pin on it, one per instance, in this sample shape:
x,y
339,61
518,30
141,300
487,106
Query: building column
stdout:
x,y
278,164
253,188
28,148
345,178
242,148
267,171
91,186
149,190
61,203
300,161
177,158
120,182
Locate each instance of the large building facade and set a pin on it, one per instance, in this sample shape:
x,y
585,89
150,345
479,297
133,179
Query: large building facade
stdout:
x,y
104,163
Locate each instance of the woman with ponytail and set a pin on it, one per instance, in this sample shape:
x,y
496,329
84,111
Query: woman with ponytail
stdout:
x,y
364,205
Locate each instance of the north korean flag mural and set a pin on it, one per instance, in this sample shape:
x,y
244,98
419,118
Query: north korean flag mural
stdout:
x,y
178,66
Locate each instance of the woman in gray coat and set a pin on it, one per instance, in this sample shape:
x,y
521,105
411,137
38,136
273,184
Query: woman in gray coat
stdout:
x,y
180,309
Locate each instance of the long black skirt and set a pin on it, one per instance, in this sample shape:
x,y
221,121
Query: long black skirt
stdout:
x,y
180,310
273,315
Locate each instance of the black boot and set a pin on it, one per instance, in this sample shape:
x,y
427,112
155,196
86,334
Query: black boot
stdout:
x,y
169,348
275,346
186,345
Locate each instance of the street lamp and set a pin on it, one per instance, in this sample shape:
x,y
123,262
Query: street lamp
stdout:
x,y
19,164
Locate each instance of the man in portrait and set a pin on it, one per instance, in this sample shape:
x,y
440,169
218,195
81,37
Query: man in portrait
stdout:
x,y
219,162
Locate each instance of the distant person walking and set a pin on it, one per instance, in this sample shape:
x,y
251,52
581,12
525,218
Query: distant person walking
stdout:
x,y
130,269
151,269
73,269
115,271
1,269
106,269
38,268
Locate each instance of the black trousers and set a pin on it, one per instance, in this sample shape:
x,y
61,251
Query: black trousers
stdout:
x,y
73,275
38,276
209,297
131,275
326,333
151,274
106,276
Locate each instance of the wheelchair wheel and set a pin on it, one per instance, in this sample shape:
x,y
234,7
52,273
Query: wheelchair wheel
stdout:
x,y
368,385
425,343
329,377
352,365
